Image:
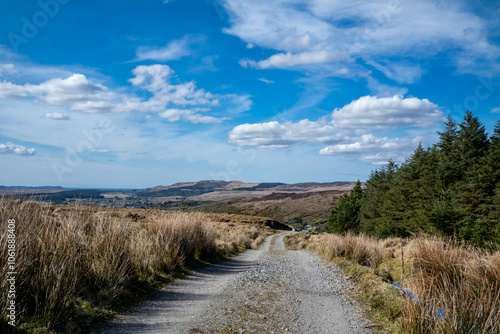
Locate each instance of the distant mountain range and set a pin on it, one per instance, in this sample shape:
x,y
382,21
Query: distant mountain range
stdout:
x,y
218,190
30,190
297,204
202,190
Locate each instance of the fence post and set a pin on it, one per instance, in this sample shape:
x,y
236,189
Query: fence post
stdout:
x,y
402,262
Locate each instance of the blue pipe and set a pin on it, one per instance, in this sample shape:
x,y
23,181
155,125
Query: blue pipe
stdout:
x,y
439,314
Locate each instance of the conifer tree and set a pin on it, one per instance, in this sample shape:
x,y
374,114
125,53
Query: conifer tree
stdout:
x,y
452,188
472,140
447,171
345,216
447,138
372,214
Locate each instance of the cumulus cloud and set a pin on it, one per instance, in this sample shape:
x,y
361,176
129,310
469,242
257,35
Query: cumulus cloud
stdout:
x,y
496,110
373,149
319,31
79,93
76,91
360,117
174,50
156,79
279,135
57,116
370,112
11,148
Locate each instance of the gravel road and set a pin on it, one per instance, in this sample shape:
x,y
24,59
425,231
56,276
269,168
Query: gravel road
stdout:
x,y
270,290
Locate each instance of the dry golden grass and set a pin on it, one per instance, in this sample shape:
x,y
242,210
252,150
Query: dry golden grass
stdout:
x,y
360,249
74,259
461,280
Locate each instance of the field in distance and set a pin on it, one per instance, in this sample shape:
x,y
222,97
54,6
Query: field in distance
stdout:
x,y
301,205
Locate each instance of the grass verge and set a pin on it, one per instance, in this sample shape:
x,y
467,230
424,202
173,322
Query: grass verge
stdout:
x,y
456,288
79,265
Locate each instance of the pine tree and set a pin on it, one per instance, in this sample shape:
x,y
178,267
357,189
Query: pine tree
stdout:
x,y
345,216
472,140
447,170
493,157
447,138
372,214
452,188
489,176
471,191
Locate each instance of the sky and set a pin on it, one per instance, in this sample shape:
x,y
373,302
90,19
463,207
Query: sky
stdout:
x,y
134,94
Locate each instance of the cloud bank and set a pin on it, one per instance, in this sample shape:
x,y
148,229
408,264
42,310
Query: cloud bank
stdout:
x,y
348,130
311,32
79,93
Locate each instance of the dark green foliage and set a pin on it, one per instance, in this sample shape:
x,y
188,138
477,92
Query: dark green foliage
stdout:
x,y
443,217
452,188
62,195
479,233
388,229
372,213
472,140
345,216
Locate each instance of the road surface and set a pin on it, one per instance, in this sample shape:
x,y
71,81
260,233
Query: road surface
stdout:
x,y
270,290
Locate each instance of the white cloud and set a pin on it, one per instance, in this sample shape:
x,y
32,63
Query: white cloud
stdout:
x,y
237,104
174,115
496,110
7,69
78,93
57,116
373,149
279,135
174,50
324,31
284,60
267,81
369,112
402,73
359,118
383,90
155,79
343,72
11,148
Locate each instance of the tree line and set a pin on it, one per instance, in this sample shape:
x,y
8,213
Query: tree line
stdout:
x,y
451,188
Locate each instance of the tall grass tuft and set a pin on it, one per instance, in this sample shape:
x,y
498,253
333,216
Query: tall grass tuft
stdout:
x,y
360,249
461,280
71,261
456,287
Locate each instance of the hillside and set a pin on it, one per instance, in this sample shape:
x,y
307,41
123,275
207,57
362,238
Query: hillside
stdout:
x,y
220,190
190,189
295,209
30,190
296,204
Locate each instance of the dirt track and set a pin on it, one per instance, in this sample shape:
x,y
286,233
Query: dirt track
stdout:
x,y
269,290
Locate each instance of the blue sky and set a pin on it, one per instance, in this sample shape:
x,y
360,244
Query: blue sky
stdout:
x,y
133,94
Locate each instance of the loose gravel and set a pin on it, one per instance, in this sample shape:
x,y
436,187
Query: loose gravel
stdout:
x,y
270,290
